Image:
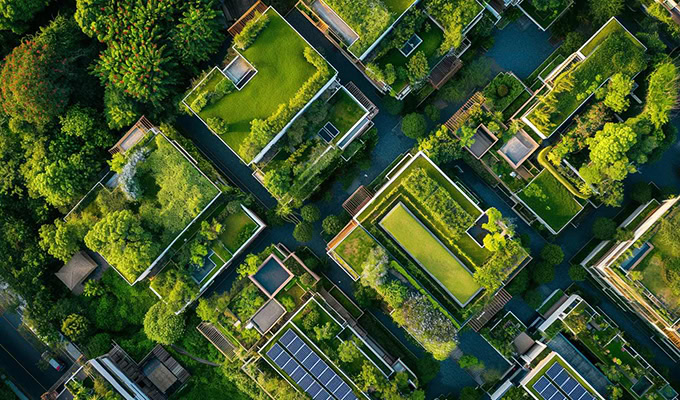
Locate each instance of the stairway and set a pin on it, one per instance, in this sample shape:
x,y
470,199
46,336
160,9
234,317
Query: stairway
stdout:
x,y
499,301
216,338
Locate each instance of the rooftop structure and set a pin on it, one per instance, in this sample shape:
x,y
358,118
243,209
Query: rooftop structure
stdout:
x,y
554,379
276,67
76,270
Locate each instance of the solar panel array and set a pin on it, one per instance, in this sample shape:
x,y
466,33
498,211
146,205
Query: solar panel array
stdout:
x,y
308,370
569,388
328,132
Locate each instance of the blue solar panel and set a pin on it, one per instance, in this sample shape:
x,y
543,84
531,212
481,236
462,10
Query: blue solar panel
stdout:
x,y
540,384
287,337
587,396
554,371
549,391
322,395
331,129
577,393
318,369
274,351
350,396
341,391
558,396
326,376
334,383
298,374
306,382
561,378
310,361
313,389
569,385
295,345
291,366
303,352
282,359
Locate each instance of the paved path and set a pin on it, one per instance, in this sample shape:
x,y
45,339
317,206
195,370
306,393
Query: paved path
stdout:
x,y
534,49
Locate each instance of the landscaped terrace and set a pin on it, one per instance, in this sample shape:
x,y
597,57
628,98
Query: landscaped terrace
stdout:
x,y
612,50
288,72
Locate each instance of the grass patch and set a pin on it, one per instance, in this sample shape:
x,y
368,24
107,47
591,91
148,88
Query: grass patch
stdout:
x,y
551,301
547,17
550,200
653,268
344,112
419,242
234,227
349,305
354,249
596,40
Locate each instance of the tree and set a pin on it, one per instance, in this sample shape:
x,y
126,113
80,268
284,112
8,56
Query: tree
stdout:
x,y
39,76
120,237
635,276
469,393
311,319
332,225
249,266
572,42
494,241
441,146
470,361
604,228
76,327
92,288
61,240
348,351
543,272
325,332
602,10
303,232
608,151
577,273
618,89
533,298
310,213
519,283
121,110
198,34
414,125
662,95
15,14
417,67
288,302
552,254
433,113
207,310
98,345
642,192
162,325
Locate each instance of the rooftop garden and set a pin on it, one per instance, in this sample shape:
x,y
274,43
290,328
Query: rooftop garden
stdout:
x,y
544,13
204,255
157,193
619,52
289,73
550,200
552,360
454,16
369,19
304,158
502,332
397,62
502,91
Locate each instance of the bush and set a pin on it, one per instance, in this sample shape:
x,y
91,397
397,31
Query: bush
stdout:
x,y
249,33
218,125
552,254
303,232
75,327
502,91
577,273
310,213
332,225
288,302
311,319
432,112
572,42
392,105
642,192
199,102
162,325
414,125
604,228
533,298
519,283
469,361
224,87
543,272
99,344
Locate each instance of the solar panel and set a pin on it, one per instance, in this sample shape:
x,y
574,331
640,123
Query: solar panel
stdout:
x,y
325,135
326,376
295,345
569,385
587,396
554,371
318,369
287,337
351,396
322,395
334,383
549,391
303,352
306,382
313,389
282,359
311,361
577,392
274,351
331,129
298,374
540,384
561,378
291,366
341,391
558,396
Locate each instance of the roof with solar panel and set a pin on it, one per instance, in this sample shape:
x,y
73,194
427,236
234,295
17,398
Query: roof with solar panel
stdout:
x,y
555,379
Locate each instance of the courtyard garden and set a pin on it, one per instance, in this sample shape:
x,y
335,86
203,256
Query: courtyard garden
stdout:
x,y
545,13
288,74
550,200
501,333
617,52
157,193
502,91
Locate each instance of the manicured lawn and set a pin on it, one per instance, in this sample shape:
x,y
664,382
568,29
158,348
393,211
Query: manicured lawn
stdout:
x,y
398,6
355,248
277,55
344,113
419,242
604,33
556,206
653,268
232,227
545,18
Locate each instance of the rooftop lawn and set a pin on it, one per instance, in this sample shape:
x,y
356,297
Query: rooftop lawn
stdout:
x,y
547,17
430,253
233,229
597,39
618,52
277,55
354,249
432,37
344,112
550,200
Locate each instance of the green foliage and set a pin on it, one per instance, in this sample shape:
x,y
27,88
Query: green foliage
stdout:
x,y
414,125
348,351
608,153
577,273
311,319
432,112
16,14
162,325
121,110
176,287
303,232
470,361
249,33
469,393
659,12
288,302
533,298
642,192
76,327
217,124
417,67
121,239
572,42
502,91
326,331
61,240
369,19
604,228
332,225
198,33
98,345
520,283
618,89
207,310
455,16
552,254
602,10
93,288
662,95
542,272
310,213
392,105
441,146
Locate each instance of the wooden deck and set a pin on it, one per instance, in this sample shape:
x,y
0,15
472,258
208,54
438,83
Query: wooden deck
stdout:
x,y
457,119
258,8
499,301
444,70
357,200
343,233
214,336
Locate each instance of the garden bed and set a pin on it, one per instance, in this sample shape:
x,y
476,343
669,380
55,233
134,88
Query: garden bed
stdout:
x,y
545,18
550,200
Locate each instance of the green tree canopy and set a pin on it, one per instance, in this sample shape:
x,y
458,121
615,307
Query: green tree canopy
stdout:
x,y
15,14
604,228
662,95
618,89
414,125
162,325
75,327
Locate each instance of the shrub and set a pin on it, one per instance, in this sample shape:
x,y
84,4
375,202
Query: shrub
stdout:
x,y
218,125
332,225
288,302
432,112
502,91
348,351
249,33
199,102
577,273
414,125
224,87
162,325
98,345
303,232
417,67
604,228
552,254
470,361
542,272
310,213
642,192
75,327
311,319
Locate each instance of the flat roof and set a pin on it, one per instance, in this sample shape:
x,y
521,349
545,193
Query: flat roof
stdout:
x,y
268,315
271,276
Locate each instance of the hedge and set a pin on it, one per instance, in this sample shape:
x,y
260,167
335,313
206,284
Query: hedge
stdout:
x,y
546,164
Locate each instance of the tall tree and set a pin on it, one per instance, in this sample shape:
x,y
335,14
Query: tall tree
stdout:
x,y
15,14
